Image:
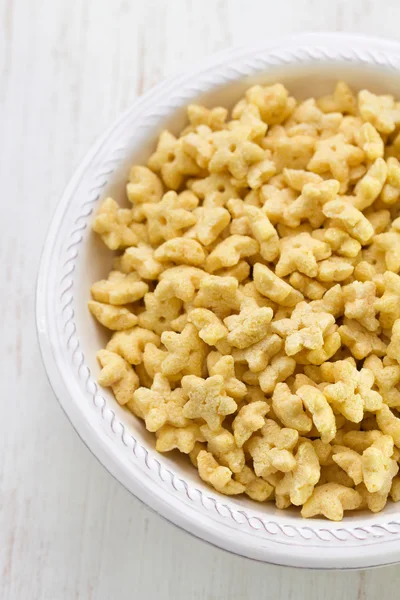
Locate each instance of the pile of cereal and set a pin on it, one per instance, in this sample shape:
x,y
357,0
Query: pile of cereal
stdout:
x,y
255,306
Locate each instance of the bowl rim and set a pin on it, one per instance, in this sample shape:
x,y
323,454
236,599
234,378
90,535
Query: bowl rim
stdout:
x,y
288,548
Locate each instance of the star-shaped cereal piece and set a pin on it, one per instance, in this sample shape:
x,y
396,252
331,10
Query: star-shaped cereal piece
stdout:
x,y
393,350
222,445
171,161
181,251
217,364
219,294
207,400
159,405
381,111
115,318
331,500
308,206
159,313
185,352
179,282
168,218
340,241
140,259
249,419
115,225
274,288
214,190
119,288
255,487
211,221
199,144
234,153
389,243
259,355
272,451
263,231
217,476
130,343
350,218
321,412
230,251
298,485
214,118
301,253
280,368
336,156
378,467
289,409
293,152
250,326
391,190
117,374
360,303
143,185
360,341
387,378
183,439
389,424
342,100
273,103
211,329
370,186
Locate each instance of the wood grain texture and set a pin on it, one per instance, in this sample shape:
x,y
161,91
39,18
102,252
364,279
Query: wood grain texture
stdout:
x,y
67,68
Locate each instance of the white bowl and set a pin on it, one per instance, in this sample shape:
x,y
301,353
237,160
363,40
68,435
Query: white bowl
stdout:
x,y
73,258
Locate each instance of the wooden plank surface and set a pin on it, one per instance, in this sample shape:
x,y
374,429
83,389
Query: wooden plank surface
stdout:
x,y
67,68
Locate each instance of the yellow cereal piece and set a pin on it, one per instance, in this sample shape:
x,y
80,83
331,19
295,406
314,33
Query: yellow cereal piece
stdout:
x,y
360,341
393,349
207,400
342,100
340,241
159,313
255,487
171,161
381,111
140,259
389,243
183,439
199,145
211,329
159,405
370,186
289,409
230,251
234,152
360,303
310,288
179,282
298,485
250,326
334,269
185,352
350,218
308,206
219,294
301,253
223,447
391,190
143,185
115,225
293,152
336,156
331,500
249,419
214,118
118,374
273,102
115,318
370,141
217,476
167,218
386,379
210,223
280,368
263,231
217,364
274,288
377,466
130,343
214,190
119,288
272,451
321,412
259,355
181,251
350,461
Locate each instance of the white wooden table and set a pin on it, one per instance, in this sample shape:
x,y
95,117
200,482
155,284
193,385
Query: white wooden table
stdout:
x,y
67,68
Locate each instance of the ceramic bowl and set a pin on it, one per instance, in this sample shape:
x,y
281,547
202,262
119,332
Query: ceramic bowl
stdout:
x,y
73,258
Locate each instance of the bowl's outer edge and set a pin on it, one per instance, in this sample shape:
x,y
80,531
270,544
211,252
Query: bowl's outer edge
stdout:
x,y
291,542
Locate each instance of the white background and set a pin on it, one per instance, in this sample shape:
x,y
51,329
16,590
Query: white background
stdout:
x,y
67,68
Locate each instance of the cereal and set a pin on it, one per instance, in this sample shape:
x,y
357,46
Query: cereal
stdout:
x,y
253,307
